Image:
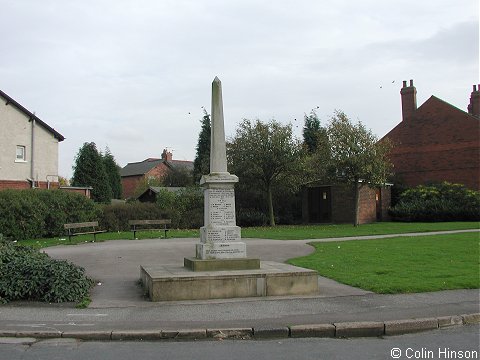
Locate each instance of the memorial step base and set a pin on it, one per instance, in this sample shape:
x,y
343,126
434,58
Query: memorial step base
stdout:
x,y
194,264
175,282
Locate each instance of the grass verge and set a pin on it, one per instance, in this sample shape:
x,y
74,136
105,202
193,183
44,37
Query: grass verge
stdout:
x,y
400,264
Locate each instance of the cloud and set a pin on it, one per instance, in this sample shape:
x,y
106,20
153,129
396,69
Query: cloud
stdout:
x,y
134,75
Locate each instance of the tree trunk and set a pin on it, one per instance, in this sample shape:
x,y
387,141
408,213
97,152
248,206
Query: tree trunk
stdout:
x,y
356,189
270,206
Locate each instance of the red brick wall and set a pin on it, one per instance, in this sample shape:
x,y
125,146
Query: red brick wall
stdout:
x,y
367,206
129,184
342,204
386,194
18,184
12,184
440,143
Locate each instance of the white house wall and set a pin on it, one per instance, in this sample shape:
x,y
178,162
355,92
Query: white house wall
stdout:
x,y
16,129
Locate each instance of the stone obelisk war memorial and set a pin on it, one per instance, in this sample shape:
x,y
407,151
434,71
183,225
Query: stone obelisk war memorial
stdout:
x,y
221,268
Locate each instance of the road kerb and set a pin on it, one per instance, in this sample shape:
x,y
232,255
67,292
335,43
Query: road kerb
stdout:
x,y
469,319
271,332
339,330
184,334
359,329
398,327
446,321
88,335
137,335
318,330
230,333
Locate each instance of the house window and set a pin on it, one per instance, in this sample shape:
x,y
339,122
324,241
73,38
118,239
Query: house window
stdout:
x,y
20,156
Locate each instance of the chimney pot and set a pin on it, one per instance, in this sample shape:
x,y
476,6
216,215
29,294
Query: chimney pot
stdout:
x,y
167,155
411,82
404,83
474,87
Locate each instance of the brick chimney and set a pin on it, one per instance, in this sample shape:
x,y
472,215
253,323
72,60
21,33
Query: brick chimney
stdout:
x,y
474,106
409,100
167,155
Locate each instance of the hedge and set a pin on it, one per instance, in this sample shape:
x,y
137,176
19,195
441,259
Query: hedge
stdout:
x,y
437,202
36,213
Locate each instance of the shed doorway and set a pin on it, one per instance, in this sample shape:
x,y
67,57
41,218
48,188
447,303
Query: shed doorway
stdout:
x,y
320,204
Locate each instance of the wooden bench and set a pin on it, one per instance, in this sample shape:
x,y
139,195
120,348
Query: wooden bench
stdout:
x,y
90,225
149,225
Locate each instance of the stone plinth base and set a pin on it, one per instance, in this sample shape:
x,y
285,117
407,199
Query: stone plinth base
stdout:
x,y
194,264
174,282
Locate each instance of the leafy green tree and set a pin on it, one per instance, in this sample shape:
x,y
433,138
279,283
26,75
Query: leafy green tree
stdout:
x,y
89,170
201,164
267,154
316,144
356,156
113,174
313,132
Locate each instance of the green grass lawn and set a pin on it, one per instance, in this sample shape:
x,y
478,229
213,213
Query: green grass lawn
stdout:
x,y
400,264
293,232
343,230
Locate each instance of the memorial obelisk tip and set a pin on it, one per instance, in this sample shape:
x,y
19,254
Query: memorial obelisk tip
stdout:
x,y
218,153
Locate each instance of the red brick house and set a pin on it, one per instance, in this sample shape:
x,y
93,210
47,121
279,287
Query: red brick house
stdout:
x,y
436,142
135,173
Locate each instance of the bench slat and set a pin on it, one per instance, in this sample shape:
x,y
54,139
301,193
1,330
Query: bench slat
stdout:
x,y
89,232
80,225
150,222
135,223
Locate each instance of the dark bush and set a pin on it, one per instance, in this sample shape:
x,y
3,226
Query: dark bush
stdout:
x,y
22,214
438,202
251,217
115,217
26,274
35,213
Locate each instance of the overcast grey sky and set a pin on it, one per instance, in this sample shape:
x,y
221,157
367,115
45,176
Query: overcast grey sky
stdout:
x,y
134,75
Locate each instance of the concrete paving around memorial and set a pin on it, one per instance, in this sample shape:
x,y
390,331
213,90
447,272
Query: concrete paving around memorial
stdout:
x,y
119,307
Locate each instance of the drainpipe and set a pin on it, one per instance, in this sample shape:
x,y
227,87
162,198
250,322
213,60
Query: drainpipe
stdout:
x,y
32,153
49,181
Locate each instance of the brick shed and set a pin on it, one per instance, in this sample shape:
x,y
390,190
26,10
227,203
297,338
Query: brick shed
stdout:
x,y
335,203
436,142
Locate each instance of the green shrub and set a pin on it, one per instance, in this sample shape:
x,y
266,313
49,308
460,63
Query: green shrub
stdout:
x,y
26,274
36,213
184,207
22,214
439,202
65,207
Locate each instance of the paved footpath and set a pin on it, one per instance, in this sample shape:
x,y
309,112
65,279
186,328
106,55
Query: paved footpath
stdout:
x,y
119,310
